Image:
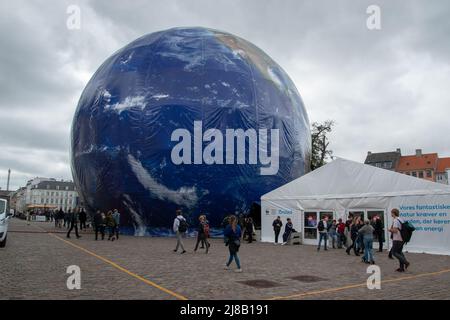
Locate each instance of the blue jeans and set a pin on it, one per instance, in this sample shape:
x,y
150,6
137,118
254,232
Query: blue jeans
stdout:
x,y
234,255
368,249
324,236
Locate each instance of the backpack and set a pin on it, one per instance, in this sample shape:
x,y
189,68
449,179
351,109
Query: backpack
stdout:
x,y
183,226
320,227
406,231
206,230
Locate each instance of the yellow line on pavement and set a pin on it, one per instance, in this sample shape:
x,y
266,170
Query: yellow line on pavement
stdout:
x,y
311,293
115,265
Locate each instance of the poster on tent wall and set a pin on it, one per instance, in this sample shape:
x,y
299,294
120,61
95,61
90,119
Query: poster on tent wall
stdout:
x,y
430,215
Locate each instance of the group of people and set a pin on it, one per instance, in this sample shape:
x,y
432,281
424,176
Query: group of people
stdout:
x,y
355,234
232,235
77,220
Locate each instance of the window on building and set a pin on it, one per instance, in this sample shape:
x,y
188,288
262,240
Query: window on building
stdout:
x,y
414,174
52,194
67,188
421,174
429,174
48,186
57,187
407,173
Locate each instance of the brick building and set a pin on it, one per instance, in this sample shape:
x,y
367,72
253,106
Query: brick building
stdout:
x,y
421,165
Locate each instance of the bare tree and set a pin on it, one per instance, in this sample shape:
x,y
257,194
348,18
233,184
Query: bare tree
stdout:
x,y
320,143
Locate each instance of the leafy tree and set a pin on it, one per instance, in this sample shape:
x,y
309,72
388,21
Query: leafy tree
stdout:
x,y
320,143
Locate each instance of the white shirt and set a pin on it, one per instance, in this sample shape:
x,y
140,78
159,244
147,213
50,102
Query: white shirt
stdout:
x,y
176,222
397,223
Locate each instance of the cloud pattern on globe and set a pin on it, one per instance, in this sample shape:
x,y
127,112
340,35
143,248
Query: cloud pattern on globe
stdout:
x,y
189,118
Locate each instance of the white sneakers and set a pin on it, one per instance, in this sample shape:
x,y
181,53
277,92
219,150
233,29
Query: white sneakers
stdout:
x,y
237,270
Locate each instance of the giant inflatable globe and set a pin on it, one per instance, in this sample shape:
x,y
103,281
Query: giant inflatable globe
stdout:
x,y
188,118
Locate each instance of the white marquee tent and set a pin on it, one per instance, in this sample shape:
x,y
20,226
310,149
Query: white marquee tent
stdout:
x,y
344,187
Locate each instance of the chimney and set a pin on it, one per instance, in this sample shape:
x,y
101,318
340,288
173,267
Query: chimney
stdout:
x,y
399,151
418,152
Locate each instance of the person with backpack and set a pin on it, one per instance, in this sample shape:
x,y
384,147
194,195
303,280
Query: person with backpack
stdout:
x,y
277,224
322,227
180,227
232,236
110,225
398,241
202,234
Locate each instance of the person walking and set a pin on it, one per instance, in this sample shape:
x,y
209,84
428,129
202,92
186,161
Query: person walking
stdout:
x,y
322,228
397,243
353,237
379,232
110,225
366,233
288,229
180,228
99,224
116,217
202,234
83,218
332,232
277,224
72,218
341,238
232,235
249,229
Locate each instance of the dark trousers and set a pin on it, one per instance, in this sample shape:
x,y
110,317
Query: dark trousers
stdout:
x,y
277,234
100,229
73,225
82,224
250,236
116,230
353,246
397,251
380,240
322,236
204,242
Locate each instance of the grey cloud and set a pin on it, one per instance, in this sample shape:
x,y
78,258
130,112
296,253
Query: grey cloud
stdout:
x,y
385,89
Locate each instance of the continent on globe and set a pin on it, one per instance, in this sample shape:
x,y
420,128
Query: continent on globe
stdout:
x,y
189,118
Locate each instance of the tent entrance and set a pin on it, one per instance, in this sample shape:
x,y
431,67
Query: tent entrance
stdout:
x,y
310,221
371,215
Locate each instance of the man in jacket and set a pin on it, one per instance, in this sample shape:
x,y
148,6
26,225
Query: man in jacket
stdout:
x,y
323,227
73,221
277,224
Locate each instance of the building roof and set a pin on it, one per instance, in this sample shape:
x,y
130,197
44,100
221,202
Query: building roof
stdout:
x,y
341,179
443,165
415,162
53,184
382,157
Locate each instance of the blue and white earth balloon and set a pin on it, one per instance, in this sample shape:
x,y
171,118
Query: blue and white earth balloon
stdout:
x,y
189,118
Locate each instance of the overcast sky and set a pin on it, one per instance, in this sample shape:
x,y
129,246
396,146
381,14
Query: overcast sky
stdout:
x,y
385,89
